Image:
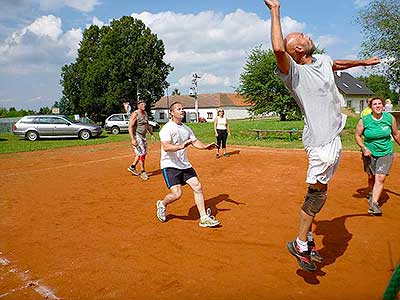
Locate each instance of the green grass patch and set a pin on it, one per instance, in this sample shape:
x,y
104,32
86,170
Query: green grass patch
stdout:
x,y
241,135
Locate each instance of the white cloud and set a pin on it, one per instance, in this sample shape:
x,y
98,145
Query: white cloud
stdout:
x,y
211,43
81,5
98,22
325,41
46,26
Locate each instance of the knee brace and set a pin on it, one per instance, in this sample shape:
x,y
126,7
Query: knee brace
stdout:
x,y
142,157
314,201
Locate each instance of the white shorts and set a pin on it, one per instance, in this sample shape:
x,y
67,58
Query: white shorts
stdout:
x,y
141,147
323,161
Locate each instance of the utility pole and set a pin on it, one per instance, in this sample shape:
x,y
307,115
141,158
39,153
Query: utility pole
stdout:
x,y
194,94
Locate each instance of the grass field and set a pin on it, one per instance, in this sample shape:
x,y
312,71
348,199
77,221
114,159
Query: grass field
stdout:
x,y
241,135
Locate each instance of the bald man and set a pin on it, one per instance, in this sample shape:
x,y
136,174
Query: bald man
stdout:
x,y
310,79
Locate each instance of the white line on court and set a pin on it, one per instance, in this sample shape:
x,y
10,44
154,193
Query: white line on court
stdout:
x,y
24,277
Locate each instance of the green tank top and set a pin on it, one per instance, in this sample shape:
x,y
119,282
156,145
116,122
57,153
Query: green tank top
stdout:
x,y
377,134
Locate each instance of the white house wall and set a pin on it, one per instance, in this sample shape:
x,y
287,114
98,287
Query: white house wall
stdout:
x,y
208,114
358,103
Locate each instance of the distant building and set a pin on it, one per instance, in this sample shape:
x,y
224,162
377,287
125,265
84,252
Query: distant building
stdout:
x,y
354,91
233,104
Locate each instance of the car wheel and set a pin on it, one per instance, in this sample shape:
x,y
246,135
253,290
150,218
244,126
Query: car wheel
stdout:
x,y
115,130
32,135
84,134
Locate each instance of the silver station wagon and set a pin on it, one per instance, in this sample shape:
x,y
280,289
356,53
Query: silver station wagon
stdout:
x,y
54,126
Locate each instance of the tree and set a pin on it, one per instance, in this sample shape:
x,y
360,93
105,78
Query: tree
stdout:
x,y
380,21
45,110
260,86
176,92
380,86
115,64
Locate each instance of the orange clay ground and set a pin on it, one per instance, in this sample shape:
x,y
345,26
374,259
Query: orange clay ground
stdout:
x,y
75,224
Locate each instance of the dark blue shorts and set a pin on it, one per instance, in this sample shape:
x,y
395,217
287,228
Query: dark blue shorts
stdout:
x,y
173,176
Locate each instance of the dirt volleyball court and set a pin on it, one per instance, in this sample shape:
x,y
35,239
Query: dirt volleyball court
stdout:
x,y
75,224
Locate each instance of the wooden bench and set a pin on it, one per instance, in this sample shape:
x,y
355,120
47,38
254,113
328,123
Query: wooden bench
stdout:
x,y
290,131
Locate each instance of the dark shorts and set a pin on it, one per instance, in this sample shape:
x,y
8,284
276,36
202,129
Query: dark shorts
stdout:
x,y
174,176
377,165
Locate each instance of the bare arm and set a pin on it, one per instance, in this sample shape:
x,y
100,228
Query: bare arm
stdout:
x,y
278,45
173,148
150,129
199,145
344,64
215,126
359,138
131,127
395,131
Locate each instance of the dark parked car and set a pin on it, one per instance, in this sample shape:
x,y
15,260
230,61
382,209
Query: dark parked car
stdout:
x,y
54,126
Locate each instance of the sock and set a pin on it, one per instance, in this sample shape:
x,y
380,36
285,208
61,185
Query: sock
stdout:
x,y
309,236
303,247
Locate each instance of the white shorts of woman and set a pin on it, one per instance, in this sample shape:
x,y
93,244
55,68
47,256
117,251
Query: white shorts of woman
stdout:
x,y
323,161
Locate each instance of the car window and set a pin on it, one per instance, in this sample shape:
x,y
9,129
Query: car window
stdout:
x,y
126,117
56,120
28,120
117,118
45,120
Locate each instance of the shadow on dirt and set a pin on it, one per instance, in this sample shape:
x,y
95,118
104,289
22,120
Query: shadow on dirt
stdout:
x,y
193,213
335,240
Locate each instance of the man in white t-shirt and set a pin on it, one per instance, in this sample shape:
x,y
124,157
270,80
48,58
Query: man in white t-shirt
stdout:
x,y
309,77
175,137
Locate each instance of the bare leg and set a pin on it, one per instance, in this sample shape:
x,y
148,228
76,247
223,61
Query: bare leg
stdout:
x,y
306,220
195,184
175,194
378,187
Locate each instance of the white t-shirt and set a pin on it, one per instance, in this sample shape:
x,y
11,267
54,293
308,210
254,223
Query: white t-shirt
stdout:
x,y
175,134
221,123
314,89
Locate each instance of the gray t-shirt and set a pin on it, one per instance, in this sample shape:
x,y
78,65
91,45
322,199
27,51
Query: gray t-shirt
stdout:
x,y
313,88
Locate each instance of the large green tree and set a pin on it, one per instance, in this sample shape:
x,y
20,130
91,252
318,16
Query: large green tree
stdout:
x,y
115,64
380,21
260,86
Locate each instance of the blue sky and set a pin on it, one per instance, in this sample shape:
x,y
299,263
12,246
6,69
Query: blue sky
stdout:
x,y
211,38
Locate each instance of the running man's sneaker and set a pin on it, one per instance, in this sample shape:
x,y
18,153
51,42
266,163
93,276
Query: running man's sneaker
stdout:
x,y
144,175
374,209
314,254
133,171
208,220
226,155
161,211
303,258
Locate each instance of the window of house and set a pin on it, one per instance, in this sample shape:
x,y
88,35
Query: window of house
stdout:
x,y
210,115
344,84
348,103
162,115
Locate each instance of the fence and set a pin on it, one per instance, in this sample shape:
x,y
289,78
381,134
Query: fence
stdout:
x,y
6,124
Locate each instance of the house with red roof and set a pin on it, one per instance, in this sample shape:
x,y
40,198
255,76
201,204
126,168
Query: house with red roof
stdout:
x,y
233,104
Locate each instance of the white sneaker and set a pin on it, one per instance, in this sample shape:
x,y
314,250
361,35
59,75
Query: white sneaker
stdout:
x,y
144,175
208,220
161,211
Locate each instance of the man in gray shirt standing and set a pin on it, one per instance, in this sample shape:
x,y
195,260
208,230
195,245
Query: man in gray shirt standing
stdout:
x,y
310,80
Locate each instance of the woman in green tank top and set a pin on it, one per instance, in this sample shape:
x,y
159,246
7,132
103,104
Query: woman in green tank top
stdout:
x,y
374,134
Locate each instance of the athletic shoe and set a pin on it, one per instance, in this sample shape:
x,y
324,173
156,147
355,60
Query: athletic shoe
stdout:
x,y
208,220
226,155
133,171
374,209
217,156
161,211
314,254
144,175
303,258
